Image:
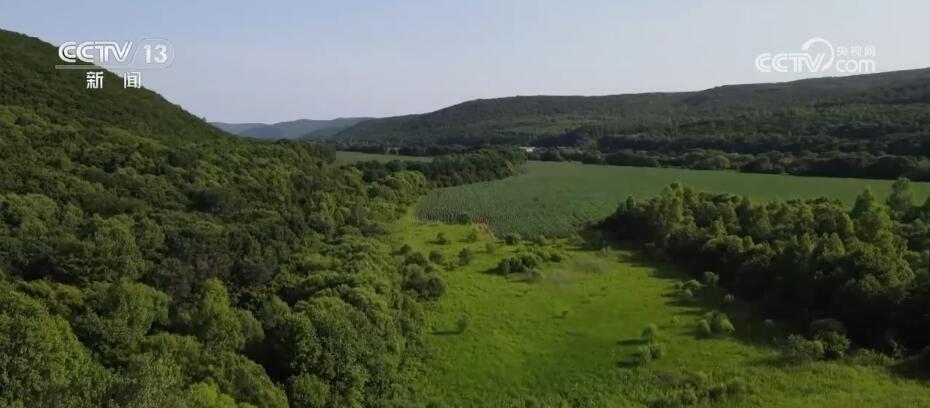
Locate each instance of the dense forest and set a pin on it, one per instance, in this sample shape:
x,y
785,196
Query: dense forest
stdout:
x,y
875,126
452,169
148,259
802,261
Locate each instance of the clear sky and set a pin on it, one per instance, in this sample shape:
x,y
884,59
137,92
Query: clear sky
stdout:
x,y
267,61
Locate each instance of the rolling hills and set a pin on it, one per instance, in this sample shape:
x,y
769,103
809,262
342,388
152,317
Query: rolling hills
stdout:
x,y
301,128
798,107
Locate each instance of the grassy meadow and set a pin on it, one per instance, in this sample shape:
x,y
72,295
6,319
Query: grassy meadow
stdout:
x,y
558,198
571,339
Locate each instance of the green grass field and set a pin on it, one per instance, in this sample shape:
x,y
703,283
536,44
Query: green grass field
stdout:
x,y
570,340
558,198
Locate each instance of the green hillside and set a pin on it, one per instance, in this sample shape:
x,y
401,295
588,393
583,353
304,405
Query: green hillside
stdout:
x,y
877,114
301,128
149,259
527,118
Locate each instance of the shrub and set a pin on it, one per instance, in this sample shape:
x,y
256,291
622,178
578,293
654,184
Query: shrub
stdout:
x,y
801,350
426,286
703,328
835,345
441,239
650,332
832,334
685,295
490,248
436,257
710,279
465,256
643,355
472,236
866,357
517,264
657,350
540,240
512,239
405,250
416,258
692,285
720,323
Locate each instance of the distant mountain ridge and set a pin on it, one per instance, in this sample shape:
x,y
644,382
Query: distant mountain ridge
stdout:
x,y
295,129
525,119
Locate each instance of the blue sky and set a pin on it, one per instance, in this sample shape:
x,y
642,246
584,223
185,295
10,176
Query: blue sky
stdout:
x,y
274,60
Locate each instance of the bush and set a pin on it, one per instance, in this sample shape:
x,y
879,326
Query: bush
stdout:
x,y
490,248
832,334
720,323
465,256
711,279
835,345
517,264
441,239
657,350
643,355
703,328
801,350
650,332
512,239
540,240
685,295
692,285
472,236
426,286
436,257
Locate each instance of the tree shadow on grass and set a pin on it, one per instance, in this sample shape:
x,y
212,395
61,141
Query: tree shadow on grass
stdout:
x,y
632,342
910,368
446,332
631,363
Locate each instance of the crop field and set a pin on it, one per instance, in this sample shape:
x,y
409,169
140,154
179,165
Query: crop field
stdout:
x,y
571,340
558,198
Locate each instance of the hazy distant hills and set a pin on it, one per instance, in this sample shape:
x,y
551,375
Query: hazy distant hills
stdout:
x,y
302,128
523,119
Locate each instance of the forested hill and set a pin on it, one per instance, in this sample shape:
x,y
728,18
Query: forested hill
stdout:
x,y
301,128
746,110
148,259
30,85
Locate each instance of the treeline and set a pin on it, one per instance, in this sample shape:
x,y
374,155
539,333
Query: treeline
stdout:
x,y
400,149
828,164
802,261
452,169
874,126
148,260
